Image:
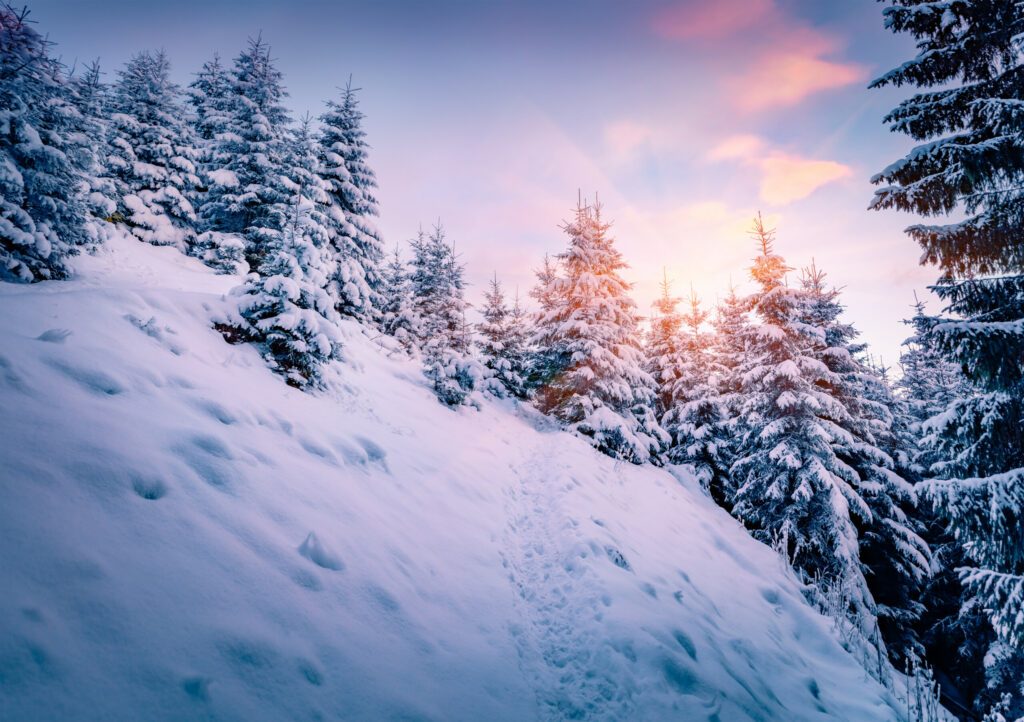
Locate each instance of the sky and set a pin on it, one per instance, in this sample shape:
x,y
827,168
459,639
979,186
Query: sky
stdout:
x,y
685,117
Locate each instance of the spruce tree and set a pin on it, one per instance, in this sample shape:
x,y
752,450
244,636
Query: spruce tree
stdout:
x,y
42,213
285,307
501,344
792,489
210,95
697,417
246,205
152,154
895,558
438,288
599,390
91,98
351,186
662,347
398,313
970,161
546,358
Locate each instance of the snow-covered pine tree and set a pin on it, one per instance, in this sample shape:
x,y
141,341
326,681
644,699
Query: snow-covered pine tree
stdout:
x,y
545,358
42,213
662,347
928,381
438,289
398,312
351,185
895,558
967,118
501,343
245,208
697,417
599,390
210,98
730,325
286,307
90,97
152,152
792,490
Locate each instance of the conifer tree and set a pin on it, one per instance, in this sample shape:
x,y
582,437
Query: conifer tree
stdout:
x,y
895,558
970,160
600,389
285,307
42,213
696,418
792,489
152,154
210,95
546,358
501,345
398,313
662,347
246,205
351,185
438,288
91,99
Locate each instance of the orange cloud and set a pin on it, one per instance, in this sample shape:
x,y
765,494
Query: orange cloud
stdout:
x,y
784,177
788,178
736,147
710,20
784,78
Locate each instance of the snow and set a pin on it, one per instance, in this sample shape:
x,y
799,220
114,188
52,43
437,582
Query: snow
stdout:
x,y
184,536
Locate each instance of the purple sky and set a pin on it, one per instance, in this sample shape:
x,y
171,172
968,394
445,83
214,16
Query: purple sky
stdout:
x,y
687,117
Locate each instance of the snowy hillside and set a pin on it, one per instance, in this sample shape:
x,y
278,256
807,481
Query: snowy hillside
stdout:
x,y
184,536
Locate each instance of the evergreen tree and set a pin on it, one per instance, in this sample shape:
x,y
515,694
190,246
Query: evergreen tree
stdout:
x,y
90,97
151,154
502,341
728,349
351,185
895,559
286,307
697,418
600,390
210,97
792,489
546,358
42,213
246,205
662,348
398,313
971,161
439,292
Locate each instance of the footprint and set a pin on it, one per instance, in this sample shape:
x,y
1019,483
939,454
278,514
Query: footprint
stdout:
x,y
317,553
216,411
54,335
373,450
148,487
197,688
93,380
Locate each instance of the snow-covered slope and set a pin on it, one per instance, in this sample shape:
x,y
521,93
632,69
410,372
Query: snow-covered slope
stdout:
x,y
183,536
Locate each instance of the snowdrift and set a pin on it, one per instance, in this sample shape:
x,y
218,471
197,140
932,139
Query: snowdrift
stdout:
x,y
183,536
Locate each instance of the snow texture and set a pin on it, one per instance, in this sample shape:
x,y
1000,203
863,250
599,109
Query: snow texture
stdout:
x,y
185,536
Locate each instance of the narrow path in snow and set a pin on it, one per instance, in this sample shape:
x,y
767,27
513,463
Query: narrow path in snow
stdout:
x,y
560,636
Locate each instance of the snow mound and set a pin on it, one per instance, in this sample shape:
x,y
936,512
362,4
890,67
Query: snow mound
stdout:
x,y
184,536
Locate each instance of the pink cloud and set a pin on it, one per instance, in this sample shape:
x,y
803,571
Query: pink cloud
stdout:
x,y
787,178
789,72
784,177
736,147
709,20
